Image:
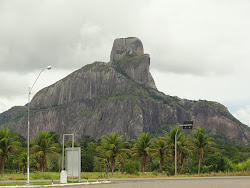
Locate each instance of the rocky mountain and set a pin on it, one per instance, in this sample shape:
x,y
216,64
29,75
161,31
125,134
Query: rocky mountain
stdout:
x,y
120,96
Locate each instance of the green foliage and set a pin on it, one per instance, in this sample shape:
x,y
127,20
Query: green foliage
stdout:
x,y
152,155
45,175
88,147
216,163
13,115
44,145
132,166
142,148
161,131
202,142
244,166
8,144
112,149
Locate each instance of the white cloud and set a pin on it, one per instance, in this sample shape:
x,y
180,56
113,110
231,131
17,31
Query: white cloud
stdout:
x,y
201,47
243,114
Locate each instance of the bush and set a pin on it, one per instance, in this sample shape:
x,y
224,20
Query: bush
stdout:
x,y
245,166
45,175
132,167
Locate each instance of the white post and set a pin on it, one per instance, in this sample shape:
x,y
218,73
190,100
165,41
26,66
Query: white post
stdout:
x,y
72,154
176,150
28,141
63,153
28,137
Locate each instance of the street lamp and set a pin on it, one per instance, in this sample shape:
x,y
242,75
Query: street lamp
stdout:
x,y
186,125
28,139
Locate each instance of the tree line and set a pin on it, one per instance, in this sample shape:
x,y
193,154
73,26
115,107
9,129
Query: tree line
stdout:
x,y
196,153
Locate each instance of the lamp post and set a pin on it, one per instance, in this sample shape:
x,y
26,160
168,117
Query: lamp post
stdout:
x,y
186,125
28,139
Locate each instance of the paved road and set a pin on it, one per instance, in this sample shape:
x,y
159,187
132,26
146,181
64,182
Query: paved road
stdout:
x,y
206,182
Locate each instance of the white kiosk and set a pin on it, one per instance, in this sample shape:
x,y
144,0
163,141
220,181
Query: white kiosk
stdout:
x,y
73,162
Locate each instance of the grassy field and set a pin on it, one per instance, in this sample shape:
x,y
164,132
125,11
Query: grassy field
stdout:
x,y
99,175
37,183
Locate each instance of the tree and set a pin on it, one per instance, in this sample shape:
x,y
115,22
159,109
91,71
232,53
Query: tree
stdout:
x,y
112,147
23,161
7,145
88,153
103,158
142,148
171,141
160,150
184,148
43,146
202,142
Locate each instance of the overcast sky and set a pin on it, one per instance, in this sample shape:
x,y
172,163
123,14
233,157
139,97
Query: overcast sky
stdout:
x,y
199,49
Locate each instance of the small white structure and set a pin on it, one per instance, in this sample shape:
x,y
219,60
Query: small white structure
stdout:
x,y
63,176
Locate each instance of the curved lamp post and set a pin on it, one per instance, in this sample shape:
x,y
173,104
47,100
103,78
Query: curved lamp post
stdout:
x,y
28,139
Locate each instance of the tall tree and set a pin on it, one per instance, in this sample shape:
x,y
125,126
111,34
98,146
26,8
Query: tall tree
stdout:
x,y
8,144
23,161
142,148
202,142
88,153
160,149
171,141
112,147
185,148
43,146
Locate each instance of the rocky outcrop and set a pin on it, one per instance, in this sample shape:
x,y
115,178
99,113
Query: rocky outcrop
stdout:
x,y
93,81
121,96
126,46
127,56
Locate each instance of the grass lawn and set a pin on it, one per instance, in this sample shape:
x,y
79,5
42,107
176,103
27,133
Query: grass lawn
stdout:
x,y
101,175
35,183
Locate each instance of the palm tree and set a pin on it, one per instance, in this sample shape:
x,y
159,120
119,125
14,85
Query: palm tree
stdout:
x,y
171,141
202,142
23,161
142,148
7,145
112,148
184,148
43,146
160,150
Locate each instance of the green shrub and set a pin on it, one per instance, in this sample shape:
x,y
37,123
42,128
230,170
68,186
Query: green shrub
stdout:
x,y
132,167
45,175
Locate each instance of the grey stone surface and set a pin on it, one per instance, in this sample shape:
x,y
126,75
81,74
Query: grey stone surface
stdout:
x,y
126,46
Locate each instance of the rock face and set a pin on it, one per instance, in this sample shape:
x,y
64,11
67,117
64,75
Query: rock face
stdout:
x,y
126,46
120,96
137,69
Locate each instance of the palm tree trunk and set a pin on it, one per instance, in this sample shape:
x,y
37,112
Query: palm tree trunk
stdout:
x,y
161,162
106,170
199,167
182,159
113,165
173,155
23,169
143,163
2,160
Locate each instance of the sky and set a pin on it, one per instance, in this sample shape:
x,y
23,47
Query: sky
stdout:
x,y
199,49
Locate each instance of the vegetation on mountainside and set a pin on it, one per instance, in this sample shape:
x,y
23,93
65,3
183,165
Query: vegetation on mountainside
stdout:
x,y
11,117
198,152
